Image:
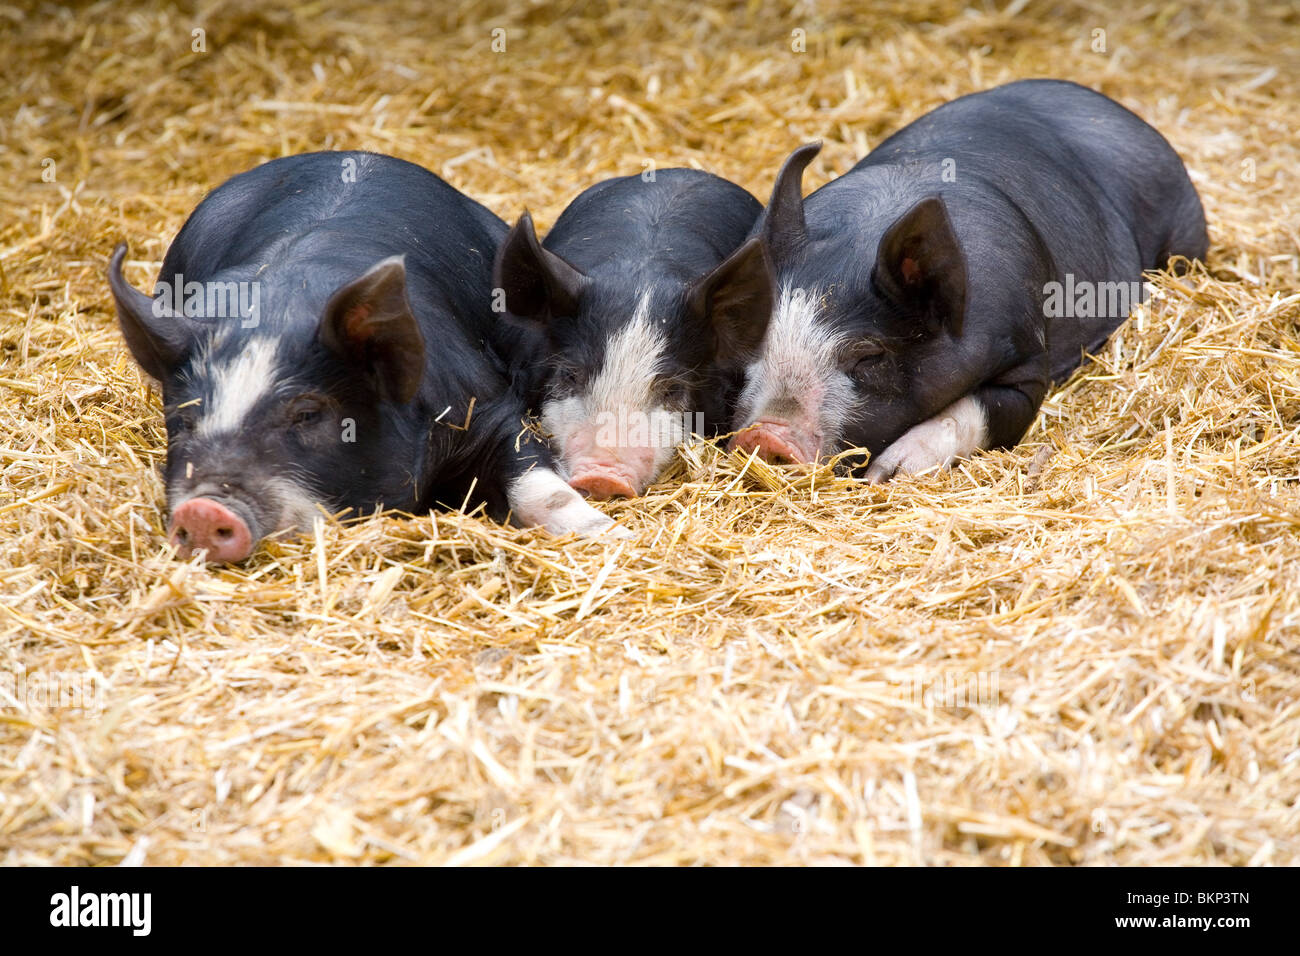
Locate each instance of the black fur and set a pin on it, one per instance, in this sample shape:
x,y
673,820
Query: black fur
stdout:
x,y
620,237
1047,178
419,346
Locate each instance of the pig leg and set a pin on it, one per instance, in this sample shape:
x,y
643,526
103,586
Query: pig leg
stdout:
x,y
526,484
955,432
541,497
990,417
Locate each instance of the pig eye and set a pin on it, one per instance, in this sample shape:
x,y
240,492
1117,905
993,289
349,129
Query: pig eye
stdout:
x,y
863,354
674,393
183,418
305,412
864,350
864,357
566,380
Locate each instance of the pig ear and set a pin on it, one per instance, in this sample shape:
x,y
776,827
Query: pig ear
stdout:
x,y
157,339
369,323
782,222
919,262
537,283
736,299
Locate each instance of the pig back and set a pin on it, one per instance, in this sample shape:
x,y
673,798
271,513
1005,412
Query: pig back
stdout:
x,y
1103,193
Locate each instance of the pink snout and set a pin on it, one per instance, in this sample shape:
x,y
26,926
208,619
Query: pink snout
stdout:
x,y
602,480
774,442
202,524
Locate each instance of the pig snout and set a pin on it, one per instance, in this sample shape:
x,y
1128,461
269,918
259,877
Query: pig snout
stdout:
x,y
202,524
601,481
775,442
608,473
601,471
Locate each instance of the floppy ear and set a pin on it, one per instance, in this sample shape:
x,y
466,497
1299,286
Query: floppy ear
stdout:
x,y
736,300
157,339
782,223
538,284
369,323
919,263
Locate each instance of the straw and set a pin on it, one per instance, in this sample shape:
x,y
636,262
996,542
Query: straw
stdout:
x,y
1079,651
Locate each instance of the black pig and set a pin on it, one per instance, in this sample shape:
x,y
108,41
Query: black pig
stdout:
x,y
925,300
323,335
624,290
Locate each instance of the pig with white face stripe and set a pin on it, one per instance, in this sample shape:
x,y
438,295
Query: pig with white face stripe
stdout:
x,y
910,296
373,375
624,290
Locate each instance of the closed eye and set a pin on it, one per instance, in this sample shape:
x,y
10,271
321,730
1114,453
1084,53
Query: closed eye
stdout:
x,y
674,391
183,417
306,410
863,350
566,380
863,360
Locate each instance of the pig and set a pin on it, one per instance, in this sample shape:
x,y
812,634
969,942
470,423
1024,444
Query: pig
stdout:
x,y
323,335
918,299
624,292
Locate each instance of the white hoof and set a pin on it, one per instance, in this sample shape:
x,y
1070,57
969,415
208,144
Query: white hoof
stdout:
x,y
541,497
956,432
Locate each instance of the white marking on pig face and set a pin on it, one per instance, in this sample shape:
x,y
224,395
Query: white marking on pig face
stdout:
x,y
281,505
234,375
541,497
956,432
296,505
618,417
797,381
236,385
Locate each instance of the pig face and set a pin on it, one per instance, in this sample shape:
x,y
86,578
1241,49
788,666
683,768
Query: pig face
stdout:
x,y
628,369
268,426
858,346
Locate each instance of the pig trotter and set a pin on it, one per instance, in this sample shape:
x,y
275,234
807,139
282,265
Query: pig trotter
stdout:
x,y
541,497
956,432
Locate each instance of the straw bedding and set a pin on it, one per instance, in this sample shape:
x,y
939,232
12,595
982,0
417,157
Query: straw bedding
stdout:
x,y
1079,651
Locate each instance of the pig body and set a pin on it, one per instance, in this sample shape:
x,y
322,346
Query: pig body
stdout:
x,y
927,299
370,373
619,291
